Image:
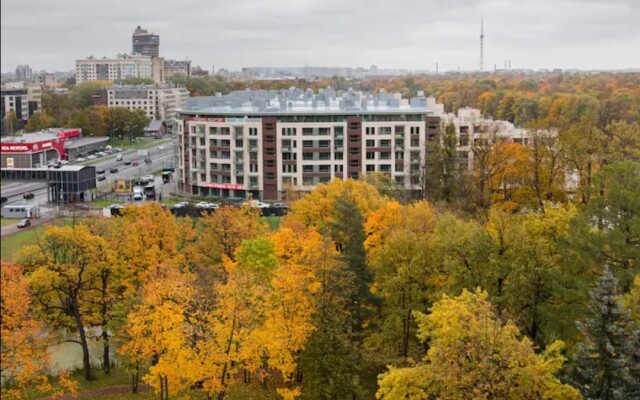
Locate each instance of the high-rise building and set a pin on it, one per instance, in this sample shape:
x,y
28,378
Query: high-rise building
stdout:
x,y
23,73
22,100
145,43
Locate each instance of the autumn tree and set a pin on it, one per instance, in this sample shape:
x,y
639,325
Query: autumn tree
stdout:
x,y
10,122
603,362
39,121
472,353
64,269
25,361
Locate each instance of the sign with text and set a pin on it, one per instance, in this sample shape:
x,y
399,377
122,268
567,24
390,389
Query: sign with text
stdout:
x,y
9,162
205,119
229,186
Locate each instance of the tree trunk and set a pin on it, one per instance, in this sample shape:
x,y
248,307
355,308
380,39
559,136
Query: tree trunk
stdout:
x,y
106,362
86,365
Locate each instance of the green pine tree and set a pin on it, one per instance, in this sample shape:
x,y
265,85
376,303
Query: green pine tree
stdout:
x,y
603,361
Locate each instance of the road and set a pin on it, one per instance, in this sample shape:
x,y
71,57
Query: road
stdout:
x,y
15,190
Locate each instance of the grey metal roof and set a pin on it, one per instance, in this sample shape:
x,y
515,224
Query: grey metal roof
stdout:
x,y
75,143
298,102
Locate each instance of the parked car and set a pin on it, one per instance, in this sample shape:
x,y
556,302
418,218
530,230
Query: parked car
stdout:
x,y
92,157
101,178
102,154
202,204
113,170
147,178
81,159
28,196
213,205
138,196
24,223
3,200
260,204
119,157
160,148
100,171
63,162
281,205
128,162
115,206
134,163
181,204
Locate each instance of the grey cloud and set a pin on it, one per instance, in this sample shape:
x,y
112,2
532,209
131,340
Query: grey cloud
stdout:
x,y
412,34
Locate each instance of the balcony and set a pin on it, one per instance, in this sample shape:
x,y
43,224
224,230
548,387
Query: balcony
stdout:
x,y
199,134
286,148
399,136
253,185
253,148
338,148
238,135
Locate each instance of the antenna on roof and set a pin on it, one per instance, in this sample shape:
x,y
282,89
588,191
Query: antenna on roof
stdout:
x,y
481,44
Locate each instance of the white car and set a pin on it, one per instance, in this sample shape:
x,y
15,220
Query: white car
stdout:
x,y
80,159
138,196
160,147
202,204
147,178
116,206
91,157
181,205
213,205
262,205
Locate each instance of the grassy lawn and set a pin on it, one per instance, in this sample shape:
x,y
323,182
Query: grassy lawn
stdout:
x,y
10,245
273,222
8,221
104,203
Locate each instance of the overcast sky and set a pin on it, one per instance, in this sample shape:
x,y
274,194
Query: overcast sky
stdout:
x,y
411,34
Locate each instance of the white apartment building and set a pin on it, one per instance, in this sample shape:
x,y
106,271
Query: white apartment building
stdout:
x,y
157,101
259,142
113,69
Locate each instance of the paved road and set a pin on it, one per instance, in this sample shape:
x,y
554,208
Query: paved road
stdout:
x,y
13,228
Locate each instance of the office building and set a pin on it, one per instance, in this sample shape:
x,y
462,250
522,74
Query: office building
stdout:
x,y
145,43
22,99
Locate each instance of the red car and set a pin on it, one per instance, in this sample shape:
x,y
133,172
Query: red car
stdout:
x,y
134,162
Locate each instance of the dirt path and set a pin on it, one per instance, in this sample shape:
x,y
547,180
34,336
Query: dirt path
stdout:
x,y
92,394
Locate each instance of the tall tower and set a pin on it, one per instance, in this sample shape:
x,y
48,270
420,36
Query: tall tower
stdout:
x,y
481,44
145,43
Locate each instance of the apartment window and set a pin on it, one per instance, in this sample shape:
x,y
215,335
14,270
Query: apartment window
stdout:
x,y
385,156
399,155
270,175
253,144
213,130
464,129
415,142
432,125
371,168
338,130
415,130
371,143
338,168
253,167
400,180
324,168
399,167
307,168
338,156
464,140
370,130
399,129
323,156
289,169
323,131
240,180
238,130
323,143
307,143
307,181
307,131
289,156
385,168
239,143
354,139
307,156
253,131
385,143
384,130
371,155
431,137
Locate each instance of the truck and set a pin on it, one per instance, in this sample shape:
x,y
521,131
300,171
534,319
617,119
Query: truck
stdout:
x,y
143,153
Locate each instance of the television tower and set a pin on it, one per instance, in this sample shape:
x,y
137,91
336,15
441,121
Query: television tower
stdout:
x,y
481,44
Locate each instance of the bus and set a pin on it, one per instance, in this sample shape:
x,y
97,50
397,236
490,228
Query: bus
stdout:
x,y
20,211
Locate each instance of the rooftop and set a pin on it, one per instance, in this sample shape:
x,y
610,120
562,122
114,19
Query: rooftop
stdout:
x,y
296,101
79,142
32,137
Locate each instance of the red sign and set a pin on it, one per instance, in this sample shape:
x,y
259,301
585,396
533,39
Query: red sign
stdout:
x,y
224,186
205,119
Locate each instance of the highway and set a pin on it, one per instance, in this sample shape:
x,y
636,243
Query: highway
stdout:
x,y
15,190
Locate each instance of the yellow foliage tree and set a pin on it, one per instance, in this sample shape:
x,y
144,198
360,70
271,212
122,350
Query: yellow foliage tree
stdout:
x,y
474,355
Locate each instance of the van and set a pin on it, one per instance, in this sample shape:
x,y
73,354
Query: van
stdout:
x,y
119,157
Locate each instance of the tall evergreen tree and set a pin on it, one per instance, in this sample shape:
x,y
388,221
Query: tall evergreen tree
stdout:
x,y
603,360
443,179
347,231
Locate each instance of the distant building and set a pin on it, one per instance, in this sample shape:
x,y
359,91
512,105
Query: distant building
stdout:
x,y
21,99
47,80
157,101
177,67
114,69
197,71
145,43
24,73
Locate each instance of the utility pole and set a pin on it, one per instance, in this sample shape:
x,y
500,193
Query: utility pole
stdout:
x,y
481,44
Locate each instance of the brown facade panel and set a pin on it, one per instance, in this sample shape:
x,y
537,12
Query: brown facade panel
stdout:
x,y
269,153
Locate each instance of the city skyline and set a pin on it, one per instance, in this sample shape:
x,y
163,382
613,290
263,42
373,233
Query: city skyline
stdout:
x,y
412,35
